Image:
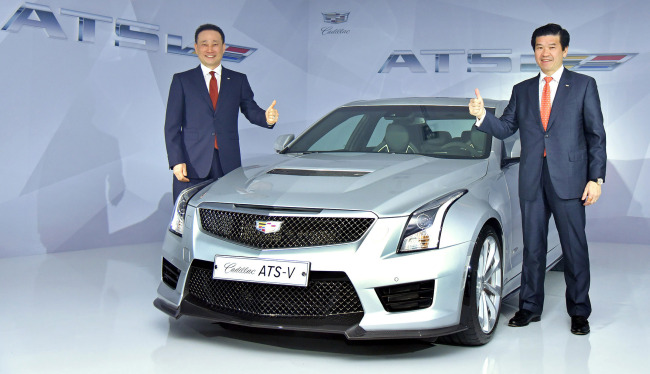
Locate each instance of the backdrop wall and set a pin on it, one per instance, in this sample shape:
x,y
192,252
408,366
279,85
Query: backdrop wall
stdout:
x,y
84,89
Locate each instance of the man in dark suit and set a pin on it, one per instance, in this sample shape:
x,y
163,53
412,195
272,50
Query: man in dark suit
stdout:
x,y
562,168
201,132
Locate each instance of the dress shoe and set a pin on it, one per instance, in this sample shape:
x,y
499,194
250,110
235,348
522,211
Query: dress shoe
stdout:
x,y
523,317
579,325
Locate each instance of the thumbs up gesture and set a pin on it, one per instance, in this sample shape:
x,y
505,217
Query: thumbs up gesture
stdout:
x,y
476,107
272,114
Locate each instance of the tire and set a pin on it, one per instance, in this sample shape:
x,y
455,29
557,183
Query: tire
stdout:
x,y
482,297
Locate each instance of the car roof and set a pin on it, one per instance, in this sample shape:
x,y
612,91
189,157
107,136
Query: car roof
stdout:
x,y
439,101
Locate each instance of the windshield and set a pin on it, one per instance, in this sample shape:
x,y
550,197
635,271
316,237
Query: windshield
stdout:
x,y
438,131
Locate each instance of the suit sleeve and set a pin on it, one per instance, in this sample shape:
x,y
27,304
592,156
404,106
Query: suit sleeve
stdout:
x,y
174,123
249,107
505,125
594,132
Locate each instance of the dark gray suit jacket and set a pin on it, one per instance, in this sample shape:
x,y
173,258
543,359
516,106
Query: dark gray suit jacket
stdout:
x,y
191,122
574,139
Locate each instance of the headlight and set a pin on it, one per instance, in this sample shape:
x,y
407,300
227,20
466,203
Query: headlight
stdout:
x,y
178,218
424,227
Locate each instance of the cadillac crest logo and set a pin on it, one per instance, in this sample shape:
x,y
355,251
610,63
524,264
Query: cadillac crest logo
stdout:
x,y
268,227
332,19
335,17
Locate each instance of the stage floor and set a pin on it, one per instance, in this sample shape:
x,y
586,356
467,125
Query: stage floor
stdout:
x,y
91,312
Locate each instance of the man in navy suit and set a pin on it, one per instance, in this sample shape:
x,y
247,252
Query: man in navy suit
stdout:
x,y
201,132
561,170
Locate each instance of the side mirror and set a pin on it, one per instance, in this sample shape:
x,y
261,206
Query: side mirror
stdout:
x,y
282,141
514,155
515,152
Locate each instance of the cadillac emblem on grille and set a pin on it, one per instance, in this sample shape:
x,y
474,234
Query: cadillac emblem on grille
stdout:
x,y
268,227
296,231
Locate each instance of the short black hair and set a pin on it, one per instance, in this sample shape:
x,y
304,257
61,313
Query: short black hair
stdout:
x,y
551,29
208,26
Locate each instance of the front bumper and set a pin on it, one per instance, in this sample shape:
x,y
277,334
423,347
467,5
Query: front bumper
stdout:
x,y
373,321
353,332
369,264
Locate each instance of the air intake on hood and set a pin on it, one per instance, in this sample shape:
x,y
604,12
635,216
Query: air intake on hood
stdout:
x,y
319,173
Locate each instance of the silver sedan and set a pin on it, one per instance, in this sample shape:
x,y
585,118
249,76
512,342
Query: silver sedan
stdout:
x,y
392,218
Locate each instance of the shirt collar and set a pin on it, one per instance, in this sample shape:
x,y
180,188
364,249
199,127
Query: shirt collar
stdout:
x,y
556,76
206,70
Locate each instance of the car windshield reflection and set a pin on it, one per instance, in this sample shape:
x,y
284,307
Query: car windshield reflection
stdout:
x,y
437,131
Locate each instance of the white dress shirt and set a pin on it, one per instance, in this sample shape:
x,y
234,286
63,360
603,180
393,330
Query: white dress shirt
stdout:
x,y
208,76
553,85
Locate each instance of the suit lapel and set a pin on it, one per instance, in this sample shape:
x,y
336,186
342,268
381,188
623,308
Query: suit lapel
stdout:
x,y
199,80
224,87
533,96
561,96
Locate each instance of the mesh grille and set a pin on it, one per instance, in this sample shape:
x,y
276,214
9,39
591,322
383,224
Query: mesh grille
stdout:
x,y
327,294
295,231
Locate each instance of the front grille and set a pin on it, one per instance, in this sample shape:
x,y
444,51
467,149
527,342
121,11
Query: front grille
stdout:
x,y
405,297
327,295
295,232
170,273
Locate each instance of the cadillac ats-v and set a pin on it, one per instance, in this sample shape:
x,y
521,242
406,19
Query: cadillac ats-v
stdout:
x,y
386,219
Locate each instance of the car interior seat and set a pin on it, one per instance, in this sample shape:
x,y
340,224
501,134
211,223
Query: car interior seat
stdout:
x,y
397,139
435,141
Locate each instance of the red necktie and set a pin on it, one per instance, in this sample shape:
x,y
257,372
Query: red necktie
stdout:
x,y
214,96
545,109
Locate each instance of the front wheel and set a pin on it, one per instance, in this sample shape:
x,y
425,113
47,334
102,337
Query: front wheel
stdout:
x,y
482,291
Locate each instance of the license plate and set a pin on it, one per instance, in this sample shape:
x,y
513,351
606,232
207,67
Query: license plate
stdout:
x,y
260,270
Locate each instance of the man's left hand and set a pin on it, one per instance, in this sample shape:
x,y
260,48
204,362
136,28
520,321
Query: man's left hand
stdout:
x,y
591,194
272,114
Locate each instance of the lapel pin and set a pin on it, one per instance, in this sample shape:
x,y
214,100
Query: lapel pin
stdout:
x,y
567,85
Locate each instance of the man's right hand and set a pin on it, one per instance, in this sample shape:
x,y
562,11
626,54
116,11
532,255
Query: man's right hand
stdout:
x,y
476,107
180,172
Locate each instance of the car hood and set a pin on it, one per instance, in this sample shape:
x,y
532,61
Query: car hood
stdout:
x,y
386,184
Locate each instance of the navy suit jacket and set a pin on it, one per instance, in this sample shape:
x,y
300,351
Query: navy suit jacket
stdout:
x,y
574,139
191,122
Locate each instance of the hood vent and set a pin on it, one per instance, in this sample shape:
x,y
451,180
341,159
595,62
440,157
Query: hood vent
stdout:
x,y
319,173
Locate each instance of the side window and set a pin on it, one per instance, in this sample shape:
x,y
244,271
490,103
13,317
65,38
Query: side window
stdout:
x,y
378,134
337,137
